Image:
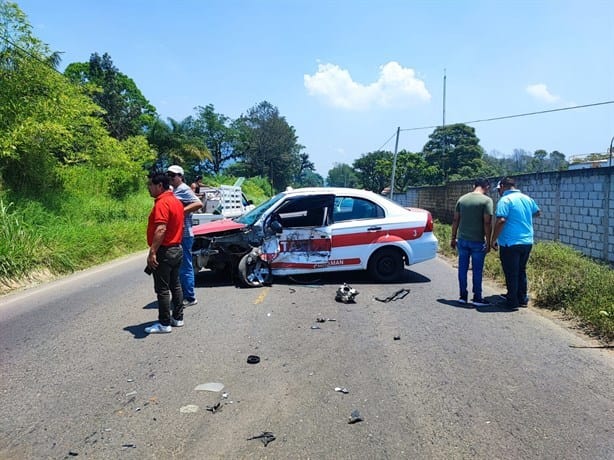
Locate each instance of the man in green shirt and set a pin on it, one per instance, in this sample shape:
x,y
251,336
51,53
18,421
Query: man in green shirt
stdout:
x,y
471,237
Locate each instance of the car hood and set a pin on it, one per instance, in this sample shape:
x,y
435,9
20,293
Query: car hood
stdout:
x,y
217,226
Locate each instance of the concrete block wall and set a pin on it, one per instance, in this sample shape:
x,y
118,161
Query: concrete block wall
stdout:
x,y
577,206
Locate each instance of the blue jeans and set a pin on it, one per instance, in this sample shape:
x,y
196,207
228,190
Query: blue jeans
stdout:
x,y
186,272
476,252
514,263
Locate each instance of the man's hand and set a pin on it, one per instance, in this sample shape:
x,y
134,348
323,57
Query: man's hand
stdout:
x,y
453,243
495,246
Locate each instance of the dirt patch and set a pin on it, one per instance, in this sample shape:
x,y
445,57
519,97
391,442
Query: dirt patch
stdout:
x,y
7,286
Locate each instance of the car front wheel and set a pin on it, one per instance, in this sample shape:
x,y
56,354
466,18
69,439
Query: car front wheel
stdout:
x,y
386,265
253,271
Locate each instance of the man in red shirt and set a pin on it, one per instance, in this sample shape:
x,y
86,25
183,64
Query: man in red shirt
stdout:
x,y
164,232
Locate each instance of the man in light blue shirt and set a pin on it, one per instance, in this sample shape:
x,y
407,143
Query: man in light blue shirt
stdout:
x,y
513,237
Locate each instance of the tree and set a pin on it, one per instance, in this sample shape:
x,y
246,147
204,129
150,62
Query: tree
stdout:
x,y
557,161
176,143
267,145
46,124
216,132
342,175
413,170
453,147
127,112
374,170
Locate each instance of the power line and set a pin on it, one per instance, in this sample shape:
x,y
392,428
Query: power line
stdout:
x,y
507,117
393,134
29,54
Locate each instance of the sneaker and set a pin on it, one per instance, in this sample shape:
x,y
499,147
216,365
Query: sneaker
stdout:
x,y
503,296
479,302
462,300
176,322
189,303
157,328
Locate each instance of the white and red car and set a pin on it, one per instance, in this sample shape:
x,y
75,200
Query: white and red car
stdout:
x,y
315,230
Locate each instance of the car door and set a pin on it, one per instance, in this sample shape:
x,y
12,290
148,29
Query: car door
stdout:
x,y
305,240
357,224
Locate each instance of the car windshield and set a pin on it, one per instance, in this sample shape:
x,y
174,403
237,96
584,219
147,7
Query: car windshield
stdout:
x,y
258,211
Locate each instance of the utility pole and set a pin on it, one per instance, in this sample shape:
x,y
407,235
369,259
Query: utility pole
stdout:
x,y
445,142
444,98
394,163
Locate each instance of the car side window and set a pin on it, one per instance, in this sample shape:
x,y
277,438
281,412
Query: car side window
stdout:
x,y
349,208
308,211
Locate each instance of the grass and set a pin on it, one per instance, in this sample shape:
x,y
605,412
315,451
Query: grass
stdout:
x,y
560,278
85,231
58,233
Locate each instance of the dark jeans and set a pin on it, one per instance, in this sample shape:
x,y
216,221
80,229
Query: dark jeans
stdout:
x,y
167,284
514,263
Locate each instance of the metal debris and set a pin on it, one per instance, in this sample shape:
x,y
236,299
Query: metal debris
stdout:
x,y
215,408
346,294
266,437
342,390
323,320
400,294
355,417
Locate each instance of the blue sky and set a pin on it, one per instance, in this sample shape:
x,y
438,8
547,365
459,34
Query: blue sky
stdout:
x,y
346,73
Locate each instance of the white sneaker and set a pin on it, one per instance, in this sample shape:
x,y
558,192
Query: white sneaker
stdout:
x,y
158,328
176,322
189,303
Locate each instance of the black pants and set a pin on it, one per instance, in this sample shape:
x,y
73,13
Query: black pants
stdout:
x,y
514,263
167,284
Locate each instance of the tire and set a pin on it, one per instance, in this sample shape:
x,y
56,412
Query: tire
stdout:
x,y
253,271
386,265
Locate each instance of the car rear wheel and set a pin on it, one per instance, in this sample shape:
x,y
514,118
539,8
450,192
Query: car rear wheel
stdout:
x,y
386,265
253,271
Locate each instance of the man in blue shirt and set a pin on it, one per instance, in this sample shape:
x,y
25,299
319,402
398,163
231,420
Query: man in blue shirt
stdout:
x,y
513,237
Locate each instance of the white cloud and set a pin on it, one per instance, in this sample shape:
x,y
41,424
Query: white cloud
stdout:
x,y
396,87
540,92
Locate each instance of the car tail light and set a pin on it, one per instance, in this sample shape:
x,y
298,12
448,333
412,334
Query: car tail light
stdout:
x,y
429,223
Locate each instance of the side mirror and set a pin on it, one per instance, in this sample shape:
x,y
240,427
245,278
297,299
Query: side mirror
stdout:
x,y
276,226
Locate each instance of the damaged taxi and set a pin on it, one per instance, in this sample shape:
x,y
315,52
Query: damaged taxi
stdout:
x,y
317,230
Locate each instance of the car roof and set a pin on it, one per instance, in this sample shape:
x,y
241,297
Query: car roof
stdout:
x,y
331,190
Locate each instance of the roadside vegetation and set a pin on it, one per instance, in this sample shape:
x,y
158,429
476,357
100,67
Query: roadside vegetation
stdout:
x,y
560,278
44,237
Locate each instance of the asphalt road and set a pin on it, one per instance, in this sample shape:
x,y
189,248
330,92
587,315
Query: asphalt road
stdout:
x,y
80,378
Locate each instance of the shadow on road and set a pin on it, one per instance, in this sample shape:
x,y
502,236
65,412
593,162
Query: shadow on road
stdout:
x,y
151,305
138,330
494,307
208,278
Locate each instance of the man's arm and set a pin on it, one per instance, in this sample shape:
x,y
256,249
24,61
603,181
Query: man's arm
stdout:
x,y
455,223
488,231
192,207
158,238
497,231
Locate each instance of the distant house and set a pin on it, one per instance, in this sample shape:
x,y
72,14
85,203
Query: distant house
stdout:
x,y
589,164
